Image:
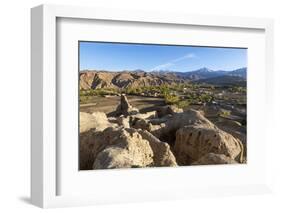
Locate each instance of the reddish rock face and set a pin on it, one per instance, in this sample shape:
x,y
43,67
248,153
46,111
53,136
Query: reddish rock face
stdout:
x,y
103,79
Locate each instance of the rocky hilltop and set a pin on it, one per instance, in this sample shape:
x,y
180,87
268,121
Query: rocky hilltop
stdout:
x,y
104,79
167,136
124,79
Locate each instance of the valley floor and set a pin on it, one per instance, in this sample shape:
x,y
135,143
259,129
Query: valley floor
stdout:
x,y
109,104
114,131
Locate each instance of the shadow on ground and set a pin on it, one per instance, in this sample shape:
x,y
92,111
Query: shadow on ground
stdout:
x,y
26,199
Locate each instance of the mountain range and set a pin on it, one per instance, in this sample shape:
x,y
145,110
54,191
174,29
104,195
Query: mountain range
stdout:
x,y
137,78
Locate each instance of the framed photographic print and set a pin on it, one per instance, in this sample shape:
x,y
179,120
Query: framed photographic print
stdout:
x,y
129,106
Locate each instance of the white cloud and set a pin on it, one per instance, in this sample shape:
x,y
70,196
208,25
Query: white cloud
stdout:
x,y
162,66
190,55
173,62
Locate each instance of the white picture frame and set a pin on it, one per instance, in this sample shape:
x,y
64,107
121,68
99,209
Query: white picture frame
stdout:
x,y
44,154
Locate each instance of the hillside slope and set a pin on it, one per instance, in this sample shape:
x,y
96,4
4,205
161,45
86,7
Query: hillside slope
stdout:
x,y
124,79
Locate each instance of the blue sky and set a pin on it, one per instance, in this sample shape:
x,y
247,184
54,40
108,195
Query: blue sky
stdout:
x,y
121,56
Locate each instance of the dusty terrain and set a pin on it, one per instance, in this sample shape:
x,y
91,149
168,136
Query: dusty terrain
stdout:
x,y
136,119
149,133
108,104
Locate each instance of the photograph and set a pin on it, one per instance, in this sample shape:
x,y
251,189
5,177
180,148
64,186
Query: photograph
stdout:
x,y
147,105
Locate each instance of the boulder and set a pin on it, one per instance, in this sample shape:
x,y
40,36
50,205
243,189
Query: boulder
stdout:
x,y
234,128
162,155
167,110
141,124
147,115
115,157
146,125
121,148
86,122
97,121
190,117
124,108
211,159
123,121
112,120
195,141
158,121
86,152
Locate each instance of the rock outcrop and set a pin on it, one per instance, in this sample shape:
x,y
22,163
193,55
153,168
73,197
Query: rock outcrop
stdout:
x,y
90,126
162,154
121,148
166,137
123,121
190,117
124,108
97,121
103,80
86,151
86,80
167,110
141,124
211,159
236,130
147,115
195,141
